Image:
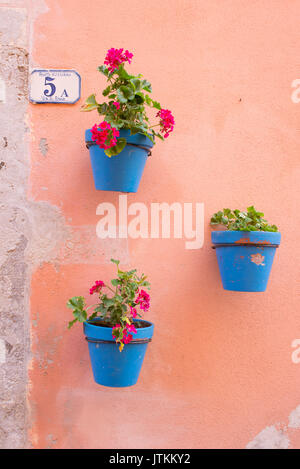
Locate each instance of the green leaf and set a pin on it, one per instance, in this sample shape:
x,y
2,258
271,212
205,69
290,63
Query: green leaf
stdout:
x,y
148,100
90,104
123,74
156,105
227,212
109,302
121,97
139,98
102,109
114,151
71,323
103,70
157,135
92,316
115,261
80,315
136,83
127,92
151,138
101,308
146,85
131,272
106,91
77,302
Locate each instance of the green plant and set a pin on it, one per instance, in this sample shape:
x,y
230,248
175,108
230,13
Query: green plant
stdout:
x,y
236,220
128,96
120,308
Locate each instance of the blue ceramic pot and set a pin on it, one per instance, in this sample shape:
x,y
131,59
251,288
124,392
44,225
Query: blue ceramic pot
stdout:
x,y
123,172
110,366
245,258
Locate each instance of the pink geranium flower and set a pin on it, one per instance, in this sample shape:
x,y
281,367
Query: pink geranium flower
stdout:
x,y
133,312
105,135
167,121
123,333
131,328
143,299
97,287
127,338
115,57
117,104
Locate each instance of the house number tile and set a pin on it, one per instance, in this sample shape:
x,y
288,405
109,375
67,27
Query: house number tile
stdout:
x,y
54,86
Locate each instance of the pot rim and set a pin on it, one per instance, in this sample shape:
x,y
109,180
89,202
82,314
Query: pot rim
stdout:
x,y
242,231
105,333
246,238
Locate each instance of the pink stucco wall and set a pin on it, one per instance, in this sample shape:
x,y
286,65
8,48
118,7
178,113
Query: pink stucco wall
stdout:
x,y
219,370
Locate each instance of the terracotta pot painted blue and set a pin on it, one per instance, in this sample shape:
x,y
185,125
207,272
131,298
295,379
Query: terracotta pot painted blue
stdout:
x,y
123,172
245,258
110,366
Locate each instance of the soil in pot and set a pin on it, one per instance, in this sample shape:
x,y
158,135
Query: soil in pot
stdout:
x,y
138,323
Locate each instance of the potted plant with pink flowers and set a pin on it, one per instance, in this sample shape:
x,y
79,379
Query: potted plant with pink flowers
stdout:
x,y
120,144
117,335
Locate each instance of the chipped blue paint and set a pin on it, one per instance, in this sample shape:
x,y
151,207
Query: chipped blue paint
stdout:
x,y
245,258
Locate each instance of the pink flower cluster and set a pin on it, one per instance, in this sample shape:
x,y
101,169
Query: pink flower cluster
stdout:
x,y
133,312
143,299
127,337
97,287
167,121
117,104
115,57
105,135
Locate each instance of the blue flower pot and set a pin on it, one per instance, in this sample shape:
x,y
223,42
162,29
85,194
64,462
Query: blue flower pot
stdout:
x,y
245,258
110,366
123,172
